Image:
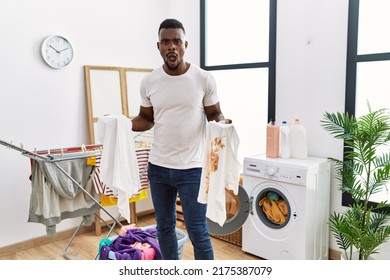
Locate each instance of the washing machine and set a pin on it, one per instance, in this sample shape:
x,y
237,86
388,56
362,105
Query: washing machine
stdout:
x,y
288,208
282,208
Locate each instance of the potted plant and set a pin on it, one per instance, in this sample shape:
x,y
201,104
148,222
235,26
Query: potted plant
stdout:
x,y
365,170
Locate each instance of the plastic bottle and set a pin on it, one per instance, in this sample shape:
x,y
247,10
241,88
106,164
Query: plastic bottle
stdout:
x,y
298,140
284,140
272,141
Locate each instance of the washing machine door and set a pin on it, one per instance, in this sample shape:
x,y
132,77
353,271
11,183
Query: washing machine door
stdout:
x,y
237,211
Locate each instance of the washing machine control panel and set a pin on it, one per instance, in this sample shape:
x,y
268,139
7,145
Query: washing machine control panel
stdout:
x,y
276,172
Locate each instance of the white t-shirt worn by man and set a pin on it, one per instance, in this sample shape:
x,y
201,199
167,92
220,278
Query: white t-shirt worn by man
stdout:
x,y
179,120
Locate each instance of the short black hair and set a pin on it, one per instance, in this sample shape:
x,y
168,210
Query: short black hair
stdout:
x,y
171,23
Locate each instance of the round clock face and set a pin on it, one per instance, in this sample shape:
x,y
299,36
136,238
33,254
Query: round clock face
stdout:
x,y
57,51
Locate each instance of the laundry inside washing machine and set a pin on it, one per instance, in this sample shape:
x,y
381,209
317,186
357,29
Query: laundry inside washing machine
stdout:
x,y
273,208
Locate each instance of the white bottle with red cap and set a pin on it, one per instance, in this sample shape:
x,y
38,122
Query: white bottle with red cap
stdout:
x,y
298,140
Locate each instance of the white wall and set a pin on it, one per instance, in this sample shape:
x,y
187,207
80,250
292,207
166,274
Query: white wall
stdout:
x,y
45,108
310,75
311,65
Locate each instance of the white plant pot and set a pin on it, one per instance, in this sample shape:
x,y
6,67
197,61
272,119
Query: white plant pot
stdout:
x,y
355,256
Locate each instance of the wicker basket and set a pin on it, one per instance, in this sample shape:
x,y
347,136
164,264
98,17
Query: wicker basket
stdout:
x,y
233,238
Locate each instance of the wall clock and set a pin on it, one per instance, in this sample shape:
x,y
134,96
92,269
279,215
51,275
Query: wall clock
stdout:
x,y
57,51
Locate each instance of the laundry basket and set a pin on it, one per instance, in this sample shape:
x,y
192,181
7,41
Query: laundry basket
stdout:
x,y
182,239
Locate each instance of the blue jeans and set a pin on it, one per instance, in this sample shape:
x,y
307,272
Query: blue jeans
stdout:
x,y
165,185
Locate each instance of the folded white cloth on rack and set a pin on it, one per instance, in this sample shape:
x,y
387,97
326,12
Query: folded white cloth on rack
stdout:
x,y
118,165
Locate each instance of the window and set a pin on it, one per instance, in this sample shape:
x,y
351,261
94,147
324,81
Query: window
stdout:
x,y
238,46
368,62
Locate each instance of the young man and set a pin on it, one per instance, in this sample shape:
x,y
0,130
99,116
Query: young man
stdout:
x,y
176,99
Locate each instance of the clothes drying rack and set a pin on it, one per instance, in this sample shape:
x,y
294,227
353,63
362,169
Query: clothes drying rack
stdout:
x,y
55,156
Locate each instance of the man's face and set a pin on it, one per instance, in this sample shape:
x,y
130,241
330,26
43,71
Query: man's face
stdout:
x,y
172,46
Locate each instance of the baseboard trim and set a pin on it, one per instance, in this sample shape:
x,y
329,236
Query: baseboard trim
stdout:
x,y
42,240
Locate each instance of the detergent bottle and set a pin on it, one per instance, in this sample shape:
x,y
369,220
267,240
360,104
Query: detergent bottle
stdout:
x,y
298,140
272,141
284,140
